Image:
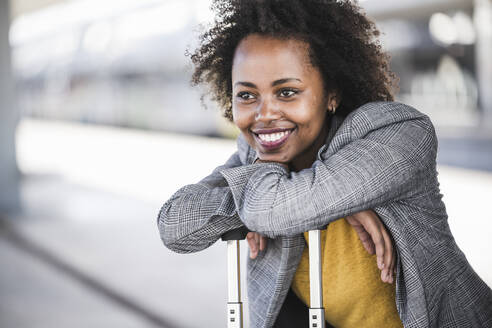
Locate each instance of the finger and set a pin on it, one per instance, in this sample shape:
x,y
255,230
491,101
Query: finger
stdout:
x,y
250,237
381,241
252,245
263,243
350,219
366,240
357,226
364,236
388,256
377,238
257,244
392,268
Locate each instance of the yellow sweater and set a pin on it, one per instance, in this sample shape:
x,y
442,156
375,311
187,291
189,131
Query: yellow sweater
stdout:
x,y
353,293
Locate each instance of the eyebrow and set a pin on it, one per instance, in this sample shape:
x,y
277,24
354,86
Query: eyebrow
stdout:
x,y
274,83
282,81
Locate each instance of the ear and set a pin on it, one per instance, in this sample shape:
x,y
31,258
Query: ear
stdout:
x,y
333,100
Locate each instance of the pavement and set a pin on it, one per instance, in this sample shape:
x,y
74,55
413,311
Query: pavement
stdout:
x,y
81,257
85,251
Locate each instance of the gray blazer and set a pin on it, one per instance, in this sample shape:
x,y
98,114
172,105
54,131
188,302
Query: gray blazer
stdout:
x,y
382,156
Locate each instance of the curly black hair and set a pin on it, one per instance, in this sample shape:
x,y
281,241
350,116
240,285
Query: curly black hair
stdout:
x,y
343,45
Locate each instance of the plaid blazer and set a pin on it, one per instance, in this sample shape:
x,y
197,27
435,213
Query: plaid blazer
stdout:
x,y
382,156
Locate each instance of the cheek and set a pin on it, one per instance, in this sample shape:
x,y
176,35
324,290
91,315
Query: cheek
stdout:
x,y
310,127
240,118
310,118
307,132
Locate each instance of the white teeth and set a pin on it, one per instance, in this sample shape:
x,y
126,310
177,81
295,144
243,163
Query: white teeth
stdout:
x,y
273,136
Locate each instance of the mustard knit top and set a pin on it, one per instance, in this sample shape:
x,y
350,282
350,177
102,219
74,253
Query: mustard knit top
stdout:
x,y
353,293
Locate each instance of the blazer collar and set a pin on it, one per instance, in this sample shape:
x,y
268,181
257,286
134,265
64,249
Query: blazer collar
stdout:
x,y
335,122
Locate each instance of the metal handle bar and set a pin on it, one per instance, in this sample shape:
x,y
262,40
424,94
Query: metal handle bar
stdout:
x,y
234,304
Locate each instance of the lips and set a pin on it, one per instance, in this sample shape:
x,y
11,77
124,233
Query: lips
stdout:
x,y
272,138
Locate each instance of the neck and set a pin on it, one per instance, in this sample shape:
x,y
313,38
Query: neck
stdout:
x,y
307,159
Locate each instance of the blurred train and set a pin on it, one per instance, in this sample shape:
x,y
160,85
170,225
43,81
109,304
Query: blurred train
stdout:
x,y
123,63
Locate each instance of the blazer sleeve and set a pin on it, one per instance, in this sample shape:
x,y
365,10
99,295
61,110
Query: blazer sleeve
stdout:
x,y
198,214
381,153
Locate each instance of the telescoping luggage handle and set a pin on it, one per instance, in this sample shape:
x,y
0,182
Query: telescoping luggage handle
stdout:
x,y
316,310
234,304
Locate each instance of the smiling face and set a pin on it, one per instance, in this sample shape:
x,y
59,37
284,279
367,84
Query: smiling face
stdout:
x,y
279,102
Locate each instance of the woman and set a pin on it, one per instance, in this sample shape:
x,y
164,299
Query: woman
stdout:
x,y
322,144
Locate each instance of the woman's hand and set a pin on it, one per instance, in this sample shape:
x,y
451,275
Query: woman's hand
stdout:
x,y
372,233
256,243
375,239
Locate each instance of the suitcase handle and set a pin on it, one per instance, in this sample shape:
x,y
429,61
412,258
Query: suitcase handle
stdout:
x,y
234,304
316,309
236,234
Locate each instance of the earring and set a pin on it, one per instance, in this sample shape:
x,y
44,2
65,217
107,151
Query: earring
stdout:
x,y
332,110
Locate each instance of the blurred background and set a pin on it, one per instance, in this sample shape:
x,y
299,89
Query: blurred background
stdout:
x,y
96,111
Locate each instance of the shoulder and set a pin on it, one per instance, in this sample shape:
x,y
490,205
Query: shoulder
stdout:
x,y
391,126
398,109
389,115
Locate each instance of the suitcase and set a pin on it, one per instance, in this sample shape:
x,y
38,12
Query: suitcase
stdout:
x,y
234,304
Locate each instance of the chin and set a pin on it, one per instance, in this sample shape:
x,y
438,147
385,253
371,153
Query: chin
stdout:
x,y
274,158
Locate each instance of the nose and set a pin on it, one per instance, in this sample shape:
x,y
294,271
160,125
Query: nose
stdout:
x,y
267,111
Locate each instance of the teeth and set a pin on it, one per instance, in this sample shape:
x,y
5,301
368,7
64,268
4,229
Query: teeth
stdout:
x,y
273,136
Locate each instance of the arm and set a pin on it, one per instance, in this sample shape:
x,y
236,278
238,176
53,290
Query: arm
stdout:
x,y
198,214
377,156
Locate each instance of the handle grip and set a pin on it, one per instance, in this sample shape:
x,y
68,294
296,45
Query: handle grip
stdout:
x,y
236,234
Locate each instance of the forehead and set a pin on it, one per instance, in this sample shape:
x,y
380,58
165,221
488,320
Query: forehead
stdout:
x,y
258,57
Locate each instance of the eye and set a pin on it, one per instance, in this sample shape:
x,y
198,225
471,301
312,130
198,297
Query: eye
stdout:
x,y
287,93
245,96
